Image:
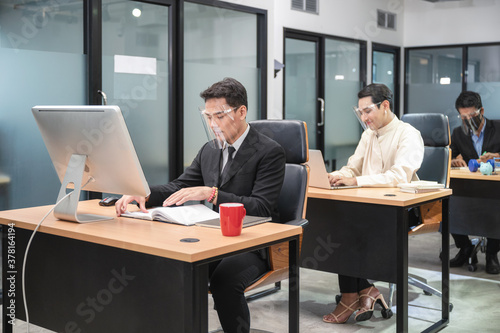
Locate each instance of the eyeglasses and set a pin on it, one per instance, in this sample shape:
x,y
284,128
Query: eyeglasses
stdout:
x,y
469,115
366,110
218,114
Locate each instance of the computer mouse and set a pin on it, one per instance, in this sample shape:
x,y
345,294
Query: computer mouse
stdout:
x,y
108,201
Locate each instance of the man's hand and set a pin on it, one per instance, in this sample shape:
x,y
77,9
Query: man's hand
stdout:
x,y
336,180
488,156
458,162
122,203
189,193
333,178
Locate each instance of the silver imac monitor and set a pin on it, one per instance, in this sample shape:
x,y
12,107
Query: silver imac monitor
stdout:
x,y
91,146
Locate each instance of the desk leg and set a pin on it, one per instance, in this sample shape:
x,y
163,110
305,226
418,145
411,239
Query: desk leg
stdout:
x,y
445,229
445,271
197,303
293,292
402,271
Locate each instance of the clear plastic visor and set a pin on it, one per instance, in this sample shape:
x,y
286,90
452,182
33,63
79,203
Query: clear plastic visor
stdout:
x,y
471,121
219,124
359,112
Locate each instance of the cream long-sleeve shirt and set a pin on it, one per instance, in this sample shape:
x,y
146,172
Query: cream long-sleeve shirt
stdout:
x,y
386,157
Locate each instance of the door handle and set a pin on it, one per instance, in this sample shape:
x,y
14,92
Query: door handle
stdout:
x,y
104,97
322,112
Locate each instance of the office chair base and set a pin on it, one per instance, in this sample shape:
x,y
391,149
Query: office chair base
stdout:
x,y
260,294
416,281
387,313
479,244
422,284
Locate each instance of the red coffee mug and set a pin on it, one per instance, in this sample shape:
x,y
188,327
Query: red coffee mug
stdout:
x,y
231,218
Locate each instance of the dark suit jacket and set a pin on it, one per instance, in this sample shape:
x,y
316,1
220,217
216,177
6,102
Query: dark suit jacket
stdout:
x,y
255,176
462,143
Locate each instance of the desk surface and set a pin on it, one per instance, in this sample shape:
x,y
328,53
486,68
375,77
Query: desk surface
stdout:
x,y
466,174
156,238
377,195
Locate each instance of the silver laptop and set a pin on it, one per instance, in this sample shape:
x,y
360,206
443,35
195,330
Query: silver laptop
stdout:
x,y
318,174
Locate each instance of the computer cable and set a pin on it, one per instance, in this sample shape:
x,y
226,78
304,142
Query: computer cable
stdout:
x,y
91,179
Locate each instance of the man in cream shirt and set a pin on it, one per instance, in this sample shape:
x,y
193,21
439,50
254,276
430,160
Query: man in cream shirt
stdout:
x,y
389,152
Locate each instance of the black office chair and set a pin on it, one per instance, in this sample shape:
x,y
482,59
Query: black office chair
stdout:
x,y
435,131
292,136
479,244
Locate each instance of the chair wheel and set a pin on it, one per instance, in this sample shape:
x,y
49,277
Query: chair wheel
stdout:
x,y
387,313
472,268
338,298
451,307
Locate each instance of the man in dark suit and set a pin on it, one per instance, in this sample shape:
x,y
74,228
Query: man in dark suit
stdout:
x,y
478,138
238,165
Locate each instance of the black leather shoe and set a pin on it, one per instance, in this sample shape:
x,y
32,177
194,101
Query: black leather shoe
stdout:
x,y
492,266
462,257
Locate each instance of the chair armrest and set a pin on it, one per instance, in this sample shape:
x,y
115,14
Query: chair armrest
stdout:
x,y
300,222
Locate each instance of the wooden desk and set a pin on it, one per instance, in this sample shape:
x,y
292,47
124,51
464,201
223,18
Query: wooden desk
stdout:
x,y
124,275
363,232
473,204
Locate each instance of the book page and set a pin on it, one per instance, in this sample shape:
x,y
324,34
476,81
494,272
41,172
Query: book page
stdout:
x,y
187,215
139,215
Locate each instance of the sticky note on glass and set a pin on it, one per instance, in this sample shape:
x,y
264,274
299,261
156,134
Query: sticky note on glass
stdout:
x,y
135,65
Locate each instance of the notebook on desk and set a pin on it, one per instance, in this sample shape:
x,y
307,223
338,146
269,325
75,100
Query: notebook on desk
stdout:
x,y
319,175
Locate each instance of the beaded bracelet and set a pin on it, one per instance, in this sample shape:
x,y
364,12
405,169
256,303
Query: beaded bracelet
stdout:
x,y
214,194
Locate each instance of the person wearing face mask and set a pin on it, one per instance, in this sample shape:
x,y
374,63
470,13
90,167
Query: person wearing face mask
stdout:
x,y
389,152
478,138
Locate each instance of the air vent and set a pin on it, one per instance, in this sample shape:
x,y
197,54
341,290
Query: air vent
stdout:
x,y
309,6
386,20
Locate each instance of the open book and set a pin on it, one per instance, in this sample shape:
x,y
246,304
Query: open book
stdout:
x,y
420,186
186,215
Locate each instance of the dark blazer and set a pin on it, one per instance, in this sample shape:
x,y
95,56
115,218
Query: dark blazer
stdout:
x,y
462,143
255,176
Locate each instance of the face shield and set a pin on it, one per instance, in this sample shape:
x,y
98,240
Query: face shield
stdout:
x,y
220,126
364,111
471,121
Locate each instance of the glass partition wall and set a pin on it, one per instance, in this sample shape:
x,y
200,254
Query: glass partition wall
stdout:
x,y
385,69
322,77
220,42
483,76
135,76
43,62
133,52
434,81
435,76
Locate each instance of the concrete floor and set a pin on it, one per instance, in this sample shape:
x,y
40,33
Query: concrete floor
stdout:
x,y
474,296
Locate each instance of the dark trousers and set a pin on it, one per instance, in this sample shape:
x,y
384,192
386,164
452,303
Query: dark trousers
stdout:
x,y
492,245
228,280
350,284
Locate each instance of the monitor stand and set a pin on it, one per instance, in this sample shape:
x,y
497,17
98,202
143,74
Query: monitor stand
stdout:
x,y
67,208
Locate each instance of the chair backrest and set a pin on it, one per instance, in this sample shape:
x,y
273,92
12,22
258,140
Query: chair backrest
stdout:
x,y
435,131
292,136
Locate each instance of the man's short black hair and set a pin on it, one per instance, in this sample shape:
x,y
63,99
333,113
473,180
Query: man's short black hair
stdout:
x,y
378,92
230,89
468,99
